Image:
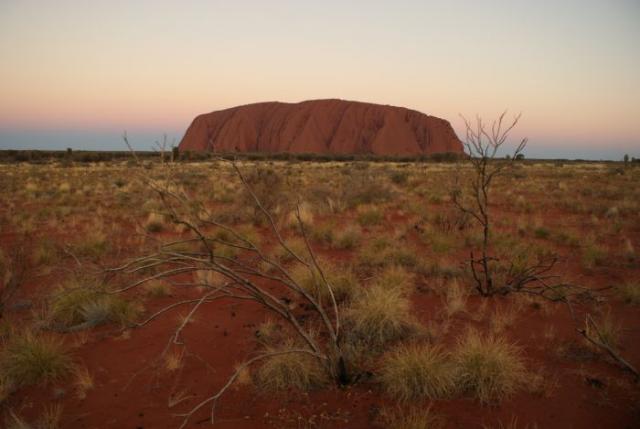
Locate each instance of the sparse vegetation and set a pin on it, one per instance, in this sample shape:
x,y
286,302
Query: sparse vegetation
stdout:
x,y
412,418
393,249
285,369
414,372
381,315
489,368
630,293
30,358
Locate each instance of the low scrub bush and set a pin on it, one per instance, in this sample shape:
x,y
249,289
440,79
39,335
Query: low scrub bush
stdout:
x,y
489,368
370,216
379,316
297,246
630,293
342,280
414,372
77,305
286,370
347,238
395,277
413,418
31,358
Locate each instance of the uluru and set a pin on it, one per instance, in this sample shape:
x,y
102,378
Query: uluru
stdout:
x,y
321,126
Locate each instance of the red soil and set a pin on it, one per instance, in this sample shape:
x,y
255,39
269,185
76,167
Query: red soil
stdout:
x,y
132,390
321,126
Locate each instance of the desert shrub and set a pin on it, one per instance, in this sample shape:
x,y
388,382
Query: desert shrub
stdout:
x,y
93,244
593,255
365,190
370,216
84,304
395,277
513,424
399,177
154,222
630,293
270,333
269,187
414,372
343,281
31,358
289,370
403,256
306,215
413,418
381,252
488,368
568,238
455,298
347,238
604,329
49,419
541,232
157,289
440,241
297,245
380,315
45,252
323,233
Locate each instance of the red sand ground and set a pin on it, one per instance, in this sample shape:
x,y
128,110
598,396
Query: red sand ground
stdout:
x,y
130,392
321,126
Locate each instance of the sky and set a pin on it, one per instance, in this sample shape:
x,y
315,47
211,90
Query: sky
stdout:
x,y
79,73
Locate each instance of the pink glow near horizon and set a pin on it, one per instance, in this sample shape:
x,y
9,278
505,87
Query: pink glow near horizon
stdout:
x,y
570,69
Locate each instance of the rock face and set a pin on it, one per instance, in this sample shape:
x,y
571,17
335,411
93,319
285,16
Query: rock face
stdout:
x,y
321,126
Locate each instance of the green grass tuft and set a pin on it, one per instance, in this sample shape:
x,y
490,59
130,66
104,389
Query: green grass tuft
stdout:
x,y
30,358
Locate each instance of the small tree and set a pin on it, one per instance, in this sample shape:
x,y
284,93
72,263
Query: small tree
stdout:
x,y
473,199
207,252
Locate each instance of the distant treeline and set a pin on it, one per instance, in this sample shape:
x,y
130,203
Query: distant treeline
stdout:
x,y
80,156
40,156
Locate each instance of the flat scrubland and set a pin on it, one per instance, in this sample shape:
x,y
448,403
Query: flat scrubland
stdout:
x,y
131,294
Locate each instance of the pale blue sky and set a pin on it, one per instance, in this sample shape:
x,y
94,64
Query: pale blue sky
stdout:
x,y
76,74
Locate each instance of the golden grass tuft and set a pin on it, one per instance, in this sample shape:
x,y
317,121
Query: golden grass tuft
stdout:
x,y
489,368
412,418
78,302
395,277
604,329
173,360
347,238
630,293
157,288
342,280
414,372
297,246
380,315
154,222
455,298
31,358
289,370
82,381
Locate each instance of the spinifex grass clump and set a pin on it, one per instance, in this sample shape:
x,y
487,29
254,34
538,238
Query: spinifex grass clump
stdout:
x,y
286,369
31,358
414,372
630,293
80,304
343,281
382,312
488,368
